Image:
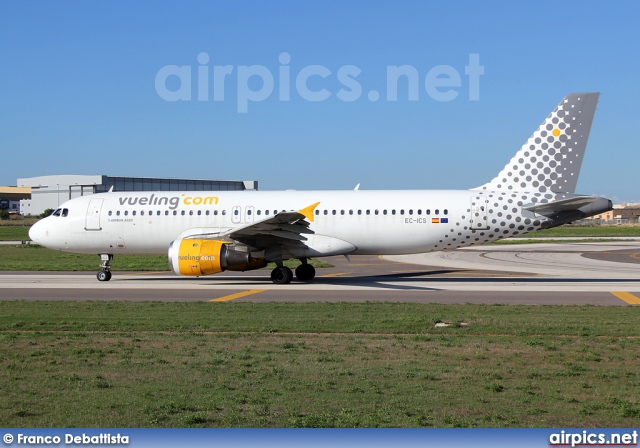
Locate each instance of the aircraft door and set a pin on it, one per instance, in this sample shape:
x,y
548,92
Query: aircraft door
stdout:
x,y
92,219
236,214
479,213
248,214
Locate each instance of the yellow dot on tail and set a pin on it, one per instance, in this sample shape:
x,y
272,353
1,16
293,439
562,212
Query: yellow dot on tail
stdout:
x,y
556,132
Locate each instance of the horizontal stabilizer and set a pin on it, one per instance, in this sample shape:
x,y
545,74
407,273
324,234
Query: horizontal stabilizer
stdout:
x,y
563,205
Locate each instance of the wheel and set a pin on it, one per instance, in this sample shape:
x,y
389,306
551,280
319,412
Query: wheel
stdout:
x,y
281,275
305,272
104,276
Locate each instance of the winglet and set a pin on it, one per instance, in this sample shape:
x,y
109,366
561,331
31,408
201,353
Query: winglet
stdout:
x,y
308,211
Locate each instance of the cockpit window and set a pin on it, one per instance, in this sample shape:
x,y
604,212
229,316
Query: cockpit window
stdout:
x,y
57,212
65,212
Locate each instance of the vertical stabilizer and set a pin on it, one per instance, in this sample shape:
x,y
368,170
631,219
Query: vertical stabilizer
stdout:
x,y
550,160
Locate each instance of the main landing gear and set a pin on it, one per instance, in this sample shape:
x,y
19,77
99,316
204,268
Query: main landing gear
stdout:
x,y
105,272
281,275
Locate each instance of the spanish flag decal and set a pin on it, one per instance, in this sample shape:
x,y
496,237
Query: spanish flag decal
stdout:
x,y
435,220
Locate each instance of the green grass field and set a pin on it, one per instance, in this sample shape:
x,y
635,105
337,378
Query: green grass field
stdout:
x,y
111,364
586,231
14,233
558,241
37,258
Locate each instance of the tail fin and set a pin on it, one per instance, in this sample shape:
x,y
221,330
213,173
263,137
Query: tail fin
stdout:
x,y
550,160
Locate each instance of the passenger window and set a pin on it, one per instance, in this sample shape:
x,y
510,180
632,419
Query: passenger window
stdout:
x,y
249,212
376,212
333,212
368,212
446,212
359,212
393,212
351,212
224,212
199,212
166,212
182,212
206,212
110,213
258,212
190,212
428,212
158,213
411,212
419,212
118,213
141,212
402,212
126,213
236,212
266,212
215,212
342,212
326,212
175,212
133,213
437,212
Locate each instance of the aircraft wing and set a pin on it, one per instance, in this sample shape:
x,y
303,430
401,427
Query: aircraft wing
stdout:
x,y
562,205
286,228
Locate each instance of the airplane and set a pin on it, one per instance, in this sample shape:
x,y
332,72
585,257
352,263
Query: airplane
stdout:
x,y
209,232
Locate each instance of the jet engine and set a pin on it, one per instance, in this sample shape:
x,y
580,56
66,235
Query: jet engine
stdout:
x,y
206,257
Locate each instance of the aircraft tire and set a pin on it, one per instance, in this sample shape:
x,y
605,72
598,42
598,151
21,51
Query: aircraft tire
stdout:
x,y
281,275
305,272
104,276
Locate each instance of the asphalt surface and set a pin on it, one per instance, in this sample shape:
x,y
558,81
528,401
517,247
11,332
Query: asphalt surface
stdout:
x,y
576,273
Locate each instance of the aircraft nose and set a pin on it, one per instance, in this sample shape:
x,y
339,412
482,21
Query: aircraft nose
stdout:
x,y
36,232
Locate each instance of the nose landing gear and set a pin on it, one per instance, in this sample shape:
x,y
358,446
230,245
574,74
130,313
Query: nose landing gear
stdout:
x,y
104,275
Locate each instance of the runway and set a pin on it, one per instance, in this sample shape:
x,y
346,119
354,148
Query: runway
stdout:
x,y
575,273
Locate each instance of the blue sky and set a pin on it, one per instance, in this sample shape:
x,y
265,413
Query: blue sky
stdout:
x,y
78,90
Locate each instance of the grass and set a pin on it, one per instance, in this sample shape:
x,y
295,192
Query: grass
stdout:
x,y
14,232
151,364
587,231
37,258
557,241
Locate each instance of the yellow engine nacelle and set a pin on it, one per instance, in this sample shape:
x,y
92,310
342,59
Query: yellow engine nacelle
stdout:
x,y
206,257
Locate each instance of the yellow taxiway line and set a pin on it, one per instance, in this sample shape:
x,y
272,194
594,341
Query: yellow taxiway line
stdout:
x,y
627,297
237,295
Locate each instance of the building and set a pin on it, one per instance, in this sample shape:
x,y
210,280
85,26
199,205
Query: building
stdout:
x,y
51,191
621,214
10,198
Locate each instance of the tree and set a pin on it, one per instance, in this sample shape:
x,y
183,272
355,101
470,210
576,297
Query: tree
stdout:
x,y
47,212
4,215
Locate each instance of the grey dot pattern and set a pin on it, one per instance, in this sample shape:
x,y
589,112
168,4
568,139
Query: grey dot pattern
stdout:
x,y
551,158
502,219
545,169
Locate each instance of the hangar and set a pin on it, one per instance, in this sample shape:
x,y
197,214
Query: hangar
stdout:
x,y
51,191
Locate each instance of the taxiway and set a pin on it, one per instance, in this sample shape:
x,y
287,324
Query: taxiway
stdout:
x,y
573,273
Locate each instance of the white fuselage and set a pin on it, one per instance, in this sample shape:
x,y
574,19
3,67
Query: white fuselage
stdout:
x,y
367,222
